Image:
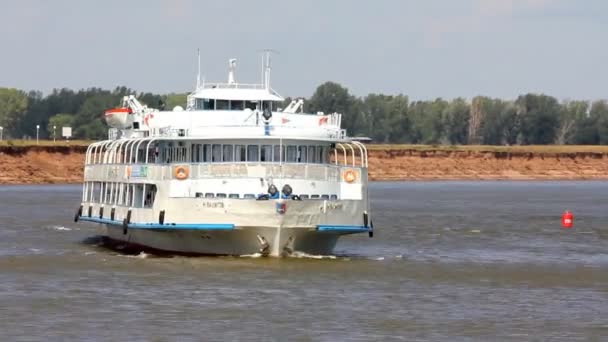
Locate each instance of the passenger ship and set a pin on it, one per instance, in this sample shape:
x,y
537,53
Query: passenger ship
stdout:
x,y
232,174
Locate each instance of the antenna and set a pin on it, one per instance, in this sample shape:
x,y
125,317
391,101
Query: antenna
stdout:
x,y
198,76
267,68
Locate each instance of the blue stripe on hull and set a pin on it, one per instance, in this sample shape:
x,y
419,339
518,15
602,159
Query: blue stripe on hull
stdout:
x,y
342,229
184,226
215,226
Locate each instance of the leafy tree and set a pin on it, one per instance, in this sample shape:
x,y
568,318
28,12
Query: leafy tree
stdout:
x,y
331,97
59,121
427,121
540,118
456,121
571,115
174,99
13,104
88,121
599,115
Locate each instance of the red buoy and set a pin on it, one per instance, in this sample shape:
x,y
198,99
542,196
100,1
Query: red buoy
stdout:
x,y
567,220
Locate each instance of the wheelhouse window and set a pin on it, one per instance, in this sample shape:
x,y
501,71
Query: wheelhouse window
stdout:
x,y
251,105
237,105
209,104
222,104
266,105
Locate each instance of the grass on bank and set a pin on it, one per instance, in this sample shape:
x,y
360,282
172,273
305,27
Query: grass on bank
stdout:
x,y
489,148
465,148
25,143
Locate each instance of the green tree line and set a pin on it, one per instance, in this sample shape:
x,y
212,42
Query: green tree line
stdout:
x,y
530,119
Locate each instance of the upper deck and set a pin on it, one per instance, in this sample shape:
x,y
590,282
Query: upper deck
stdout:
x,y
226,110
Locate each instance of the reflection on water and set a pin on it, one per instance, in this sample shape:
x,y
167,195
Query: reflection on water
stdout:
x,y
449,261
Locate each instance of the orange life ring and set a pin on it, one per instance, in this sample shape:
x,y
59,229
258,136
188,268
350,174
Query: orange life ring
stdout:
x,y
180,172
349,176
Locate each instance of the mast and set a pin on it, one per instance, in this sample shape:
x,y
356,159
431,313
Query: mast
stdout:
x,y
267,71
198,76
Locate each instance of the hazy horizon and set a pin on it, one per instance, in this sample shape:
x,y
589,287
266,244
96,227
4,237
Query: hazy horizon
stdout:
x,y
464,48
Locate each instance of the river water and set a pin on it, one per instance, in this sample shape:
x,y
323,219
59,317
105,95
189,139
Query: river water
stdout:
x,y
450,261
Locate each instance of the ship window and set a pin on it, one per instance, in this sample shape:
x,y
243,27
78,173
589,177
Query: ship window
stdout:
x,y
209,195
334,197
228,153
237,105
302,154
208,104
319,157
239,153
325,196
314,196
251,105
222,104
198,195
197,153
233,196
292,154
220,195
266,153
217,153
311,154
304,196
252,153
249,196
150,195
207,153
266,105
279,153
96,193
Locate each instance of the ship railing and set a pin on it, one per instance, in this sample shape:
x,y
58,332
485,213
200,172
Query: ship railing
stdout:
x,y
353,154
233,86
154,172
170,132
247,128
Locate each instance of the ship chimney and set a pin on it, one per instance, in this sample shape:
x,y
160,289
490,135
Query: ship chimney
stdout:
x,y
231,69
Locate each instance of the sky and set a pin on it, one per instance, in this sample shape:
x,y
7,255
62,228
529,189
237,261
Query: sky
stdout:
x,y
421,48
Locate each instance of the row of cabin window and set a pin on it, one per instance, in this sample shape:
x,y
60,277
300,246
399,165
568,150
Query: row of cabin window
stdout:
x,y
211,104
121,194
251,196
216,153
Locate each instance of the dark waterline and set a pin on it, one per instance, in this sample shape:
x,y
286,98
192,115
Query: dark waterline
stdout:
x,y
451,261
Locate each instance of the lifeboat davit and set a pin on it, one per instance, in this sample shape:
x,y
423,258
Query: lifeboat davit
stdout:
x,y
119,117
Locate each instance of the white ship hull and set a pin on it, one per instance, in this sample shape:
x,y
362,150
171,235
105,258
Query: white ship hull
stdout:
x,y
233,227
281,241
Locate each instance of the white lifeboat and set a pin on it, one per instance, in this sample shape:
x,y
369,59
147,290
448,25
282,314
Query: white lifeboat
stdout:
x,y
119,117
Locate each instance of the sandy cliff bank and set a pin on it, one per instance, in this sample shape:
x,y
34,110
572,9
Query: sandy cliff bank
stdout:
x,y
41,164
64,164
404,164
